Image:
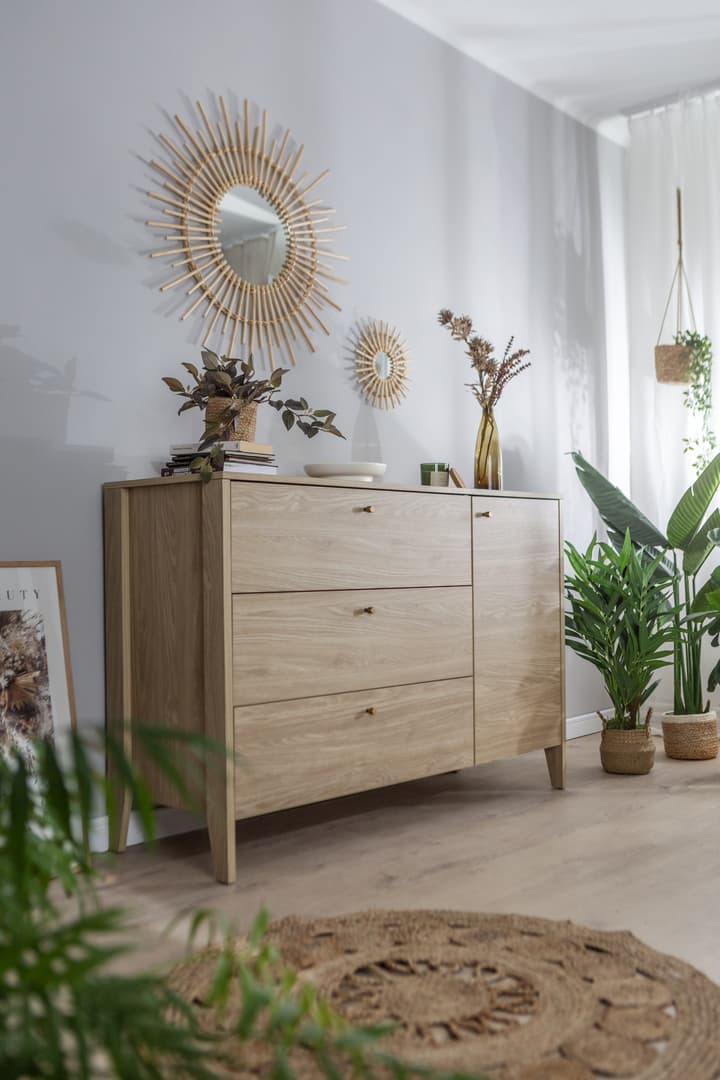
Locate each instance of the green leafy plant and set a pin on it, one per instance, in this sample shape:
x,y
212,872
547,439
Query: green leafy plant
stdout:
x,y
67,1015
620,621
691,536
236,382
698,397
493,375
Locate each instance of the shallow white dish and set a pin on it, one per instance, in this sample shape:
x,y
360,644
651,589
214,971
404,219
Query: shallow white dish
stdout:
x,y
348,470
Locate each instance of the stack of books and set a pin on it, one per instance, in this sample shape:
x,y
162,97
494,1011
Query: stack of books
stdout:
x,y
239,457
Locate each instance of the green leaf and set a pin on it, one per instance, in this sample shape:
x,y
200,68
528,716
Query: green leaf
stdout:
x,y
331,430
187,405
192,369
293,404
615,509
687,516
702,544
175,385
210,359
288,419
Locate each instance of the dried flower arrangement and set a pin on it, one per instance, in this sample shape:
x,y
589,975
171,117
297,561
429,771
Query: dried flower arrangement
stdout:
x,y
492,375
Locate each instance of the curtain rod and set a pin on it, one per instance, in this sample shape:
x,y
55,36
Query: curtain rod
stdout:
x,y
691,94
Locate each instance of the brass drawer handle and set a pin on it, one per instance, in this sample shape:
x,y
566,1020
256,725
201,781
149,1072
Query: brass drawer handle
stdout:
x,y
485,513
371,711
368,509
369,610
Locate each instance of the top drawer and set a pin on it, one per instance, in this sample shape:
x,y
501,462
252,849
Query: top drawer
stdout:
x,y
288,538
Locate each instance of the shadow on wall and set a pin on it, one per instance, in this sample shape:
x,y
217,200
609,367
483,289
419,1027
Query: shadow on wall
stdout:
x,y
50,494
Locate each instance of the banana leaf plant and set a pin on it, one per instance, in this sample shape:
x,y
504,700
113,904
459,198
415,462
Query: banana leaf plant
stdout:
x,y
690,538
621,621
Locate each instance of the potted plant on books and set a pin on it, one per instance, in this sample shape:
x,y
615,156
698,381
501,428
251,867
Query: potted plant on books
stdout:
x,y
620,621
229,392
691,536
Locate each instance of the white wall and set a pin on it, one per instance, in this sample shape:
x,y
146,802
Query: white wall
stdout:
x,y
459,189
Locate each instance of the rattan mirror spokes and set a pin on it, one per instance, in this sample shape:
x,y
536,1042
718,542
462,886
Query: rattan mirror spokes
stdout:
x,y
381,363
252,242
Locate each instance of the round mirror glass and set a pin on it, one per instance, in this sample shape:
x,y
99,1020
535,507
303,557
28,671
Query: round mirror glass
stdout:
x,y
383,365
252,236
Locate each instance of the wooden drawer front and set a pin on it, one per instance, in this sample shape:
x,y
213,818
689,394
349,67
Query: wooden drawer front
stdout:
x,y
291,538
518,626
302,644
299,752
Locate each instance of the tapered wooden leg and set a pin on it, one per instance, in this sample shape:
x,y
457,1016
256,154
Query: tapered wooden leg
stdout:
x,y
222,845
555,758
121,806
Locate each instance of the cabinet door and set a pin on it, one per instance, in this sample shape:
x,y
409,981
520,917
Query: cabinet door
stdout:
x,y
518,628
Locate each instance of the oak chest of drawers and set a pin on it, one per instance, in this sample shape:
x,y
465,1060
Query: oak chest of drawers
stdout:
x,y
335,637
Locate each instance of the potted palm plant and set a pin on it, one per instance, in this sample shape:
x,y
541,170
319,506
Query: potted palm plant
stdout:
x,y
691,536
620,621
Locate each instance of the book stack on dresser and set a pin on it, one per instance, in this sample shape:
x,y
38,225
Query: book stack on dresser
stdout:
x,y
238,457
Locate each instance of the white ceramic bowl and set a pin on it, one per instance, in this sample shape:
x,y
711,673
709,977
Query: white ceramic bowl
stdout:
x,y
348,470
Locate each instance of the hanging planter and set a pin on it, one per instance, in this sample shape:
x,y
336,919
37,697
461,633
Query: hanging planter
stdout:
x,y
673,363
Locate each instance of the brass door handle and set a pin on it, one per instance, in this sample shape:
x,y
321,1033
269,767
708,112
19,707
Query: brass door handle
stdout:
x,y
368,509
369,610
485,513
372,710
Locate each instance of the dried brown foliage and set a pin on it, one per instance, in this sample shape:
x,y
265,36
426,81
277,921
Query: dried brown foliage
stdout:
x,y
493,375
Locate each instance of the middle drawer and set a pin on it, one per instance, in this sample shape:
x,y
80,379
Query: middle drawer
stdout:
x,y
293,645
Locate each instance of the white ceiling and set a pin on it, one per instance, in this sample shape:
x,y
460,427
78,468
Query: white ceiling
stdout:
x,y
592,59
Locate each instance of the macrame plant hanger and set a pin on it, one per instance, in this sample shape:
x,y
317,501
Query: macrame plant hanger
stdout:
x,y
672,362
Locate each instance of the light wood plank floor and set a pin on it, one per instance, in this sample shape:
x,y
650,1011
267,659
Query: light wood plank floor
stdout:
x,y
637,853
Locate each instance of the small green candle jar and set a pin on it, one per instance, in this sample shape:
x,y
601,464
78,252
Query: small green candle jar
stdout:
x,y
435,473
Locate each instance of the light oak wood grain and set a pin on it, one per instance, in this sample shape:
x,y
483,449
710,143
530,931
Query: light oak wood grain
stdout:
x,y
300,644
118,681
166,605
305,751
289,538
217,659
518,635
306,481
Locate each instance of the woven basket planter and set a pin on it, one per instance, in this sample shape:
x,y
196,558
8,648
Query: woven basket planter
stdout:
x,y
245,421
691,738
630,752
672,364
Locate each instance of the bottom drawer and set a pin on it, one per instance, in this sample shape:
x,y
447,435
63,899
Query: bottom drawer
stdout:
x,y
295,752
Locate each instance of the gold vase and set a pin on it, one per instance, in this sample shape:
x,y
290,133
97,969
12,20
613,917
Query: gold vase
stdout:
x,y
488,455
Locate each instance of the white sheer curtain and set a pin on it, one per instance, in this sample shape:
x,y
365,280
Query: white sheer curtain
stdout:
x,y
678,146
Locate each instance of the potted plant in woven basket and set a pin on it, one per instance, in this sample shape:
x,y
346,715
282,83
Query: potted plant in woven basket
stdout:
x,y
620,621
229,392
691,537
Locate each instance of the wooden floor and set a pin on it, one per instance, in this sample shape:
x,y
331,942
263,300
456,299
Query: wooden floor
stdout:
x,y
639,853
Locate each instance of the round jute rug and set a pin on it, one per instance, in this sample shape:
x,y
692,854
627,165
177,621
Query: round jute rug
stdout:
x,y
511,997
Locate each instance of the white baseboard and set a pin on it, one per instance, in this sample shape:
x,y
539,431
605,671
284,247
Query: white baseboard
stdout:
x,y
587,724
167,823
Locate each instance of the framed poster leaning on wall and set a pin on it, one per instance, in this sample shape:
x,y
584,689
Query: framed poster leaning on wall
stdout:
x,y
36,690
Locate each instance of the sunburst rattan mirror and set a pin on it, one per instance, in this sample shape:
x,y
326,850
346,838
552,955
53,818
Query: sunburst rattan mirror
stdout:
x,y
252,243
381,362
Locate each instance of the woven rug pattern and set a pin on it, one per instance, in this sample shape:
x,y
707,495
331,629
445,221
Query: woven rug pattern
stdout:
x,y
508,996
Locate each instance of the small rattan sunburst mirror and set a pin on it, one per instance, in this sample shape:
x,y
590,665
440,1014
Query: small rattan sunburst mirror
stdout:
x,y
381,362
253,247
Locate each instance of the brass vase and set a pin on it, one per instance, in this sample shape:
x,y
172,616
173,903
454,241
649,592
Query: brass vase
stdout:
x,y
488,455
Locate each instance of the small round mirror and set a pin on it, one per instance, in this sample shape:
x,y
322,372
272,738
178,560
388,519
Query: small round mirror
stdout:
x,y
252,236
383,365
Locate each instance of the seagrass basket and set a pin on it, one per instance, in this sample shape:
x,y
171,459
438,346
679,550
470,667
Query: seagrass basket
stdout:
x,y
691,738
245,420
630,752
672,364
